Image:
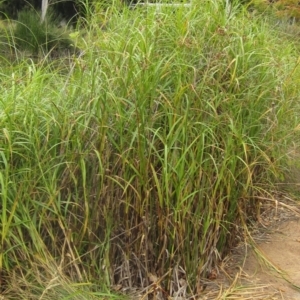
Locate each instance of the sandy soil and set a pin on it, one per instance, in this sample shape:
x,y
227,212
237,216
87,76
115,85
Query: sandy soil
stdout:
x,y
280,272
266,267
277,261
270,269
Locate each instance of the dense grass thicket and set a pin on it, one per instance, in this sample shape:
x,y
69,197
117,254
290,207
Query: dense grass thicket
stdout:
x,y
135,163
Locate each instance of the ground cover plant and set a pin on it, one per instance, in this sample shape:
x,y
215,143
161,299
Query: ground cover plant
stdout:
x,y
135,164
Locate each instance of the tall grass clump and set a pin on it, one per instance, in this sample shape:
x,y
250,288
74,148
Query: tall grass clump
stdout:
x,y
34,35
137,165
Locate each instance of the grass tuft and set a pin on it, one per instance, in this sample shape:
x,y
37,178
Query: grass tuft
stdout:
x,y
136,162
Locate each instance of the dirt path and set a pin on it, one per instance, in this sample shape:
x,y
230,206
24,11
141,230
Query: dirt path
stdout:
x,y
276,263
269,270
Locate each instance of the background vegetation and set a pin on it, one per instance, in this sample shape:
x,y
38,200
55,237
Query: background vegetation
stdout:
x,y
136,162
67,9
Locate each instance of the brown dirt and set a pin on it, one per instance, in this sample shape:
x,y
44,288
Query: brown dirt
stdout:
x,y
265,266
268,266
276,263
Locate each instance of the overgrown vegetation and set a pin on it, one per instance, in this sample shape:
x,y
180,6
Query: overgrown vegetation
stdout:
x,y
32,34
68,9
282,9
136,165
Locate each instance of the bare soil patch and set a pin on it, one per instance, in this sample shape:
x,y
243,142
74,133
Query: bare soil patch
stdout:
x,y
276,262
268,265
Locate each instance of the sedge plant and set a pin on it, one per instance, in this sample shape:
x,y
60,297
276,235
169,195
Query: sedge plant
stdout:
x,y
134,165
